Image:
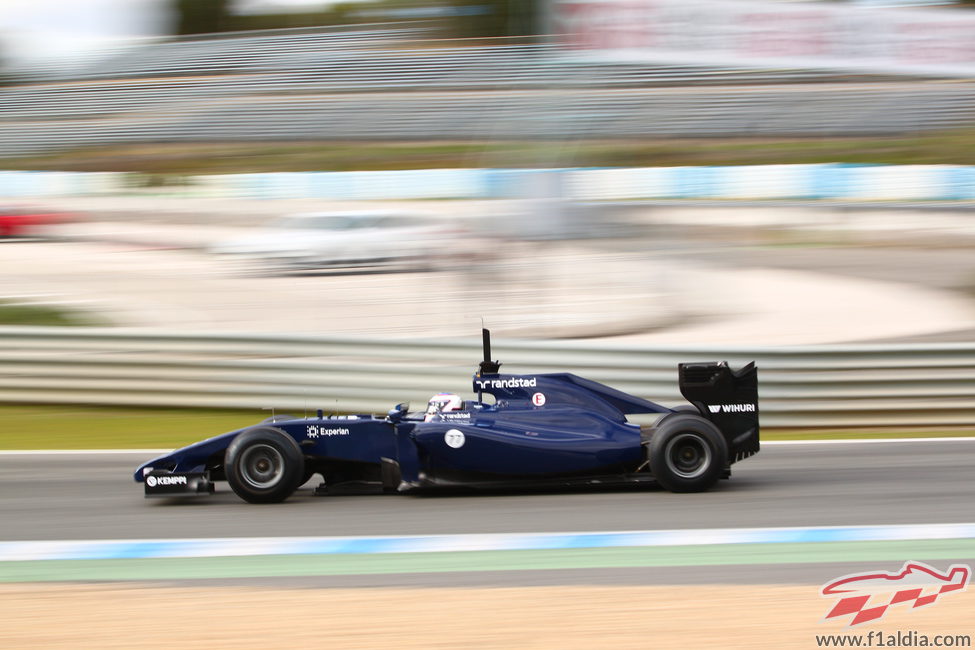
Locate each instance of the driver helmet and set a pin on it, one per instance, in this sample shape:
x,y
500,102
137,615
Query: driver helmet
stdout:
x,y
441,403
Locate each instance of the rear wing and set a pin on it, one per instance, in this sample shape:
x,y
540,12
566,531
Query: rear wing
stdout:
x,y
728,398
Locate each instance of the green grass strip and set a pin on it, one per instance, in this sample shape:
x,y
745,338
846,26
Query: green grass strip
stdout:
x,y
109,427
447,562
46,315
167,163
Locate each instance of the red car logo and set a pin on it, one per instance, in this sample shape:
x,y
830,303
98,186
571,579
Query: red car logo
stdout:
x,y
866,596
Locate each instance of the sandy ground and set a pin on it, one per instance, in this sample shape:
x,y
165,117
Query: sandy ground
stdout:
x,y
686,275
133,615
555,290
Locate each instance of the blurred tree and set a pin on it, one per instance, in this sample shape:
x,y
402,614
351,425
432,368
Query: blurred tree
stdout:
x,y
200,16
5,74
208,16
491,18
463,18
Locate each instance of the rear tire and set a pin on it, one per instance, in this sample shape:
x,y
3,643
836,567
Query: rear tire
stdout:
x,y
264,465
687,453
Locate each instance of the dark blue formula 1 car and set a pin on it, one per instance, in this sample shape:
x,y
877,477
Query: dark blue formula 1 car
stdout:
x,y
540,430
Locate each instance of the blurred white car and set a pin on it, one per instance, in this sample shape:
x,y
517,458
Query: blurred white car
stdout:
x,y
345,239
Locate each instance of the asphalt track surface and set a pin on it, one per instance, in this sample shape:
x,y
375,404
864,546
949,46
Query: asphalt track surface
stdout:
x,y
92,496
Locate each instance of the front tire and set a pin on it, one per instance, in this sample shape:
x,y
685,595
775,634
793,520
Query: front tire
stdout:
x,y
687,453
264,465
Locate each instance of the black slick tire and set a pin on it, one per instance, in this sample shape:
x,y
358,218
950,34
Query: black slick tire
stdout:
x,y
687,453
264,465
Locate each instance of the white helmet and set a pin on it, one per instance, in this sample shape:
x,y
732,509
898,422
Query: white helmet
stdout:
x,y
441,403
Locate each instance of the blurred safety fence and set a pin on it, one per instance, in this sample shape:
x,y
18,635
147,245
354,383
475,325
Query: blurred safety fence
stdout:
x,y
814,386
817,181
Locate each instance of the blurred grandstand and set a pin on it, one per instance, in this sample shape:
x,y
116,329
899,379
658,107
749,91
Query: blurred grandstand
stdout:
x,y
390,82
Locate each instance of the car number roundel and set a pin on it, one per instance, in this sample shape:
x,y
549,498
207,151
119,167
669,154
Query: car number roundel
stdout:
x,y
538,399
454,438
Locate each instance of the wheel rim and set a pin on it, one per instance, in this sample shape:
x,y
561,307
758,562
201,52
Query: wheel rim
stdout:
x,y
688,455
262,466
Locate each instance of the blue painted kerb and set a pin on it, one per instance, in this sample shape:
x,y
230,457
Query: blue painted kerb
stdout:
x,y
228,547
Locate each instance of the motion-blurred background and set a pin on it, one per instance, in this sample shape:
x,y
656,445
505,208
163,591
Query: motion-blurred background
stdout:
x,y
288,203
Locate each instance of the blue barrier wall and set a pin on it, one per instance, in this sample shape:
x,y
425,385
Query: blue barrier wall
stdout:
x,y
833,181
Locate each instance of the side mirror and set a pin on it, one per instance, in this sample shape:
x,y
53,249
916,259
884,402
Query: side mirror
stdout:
x,y
398,412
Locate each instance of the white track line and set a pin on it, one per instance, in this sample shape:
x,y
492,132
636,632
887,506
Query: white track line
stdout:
x,y
80,452
34,550
863,441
